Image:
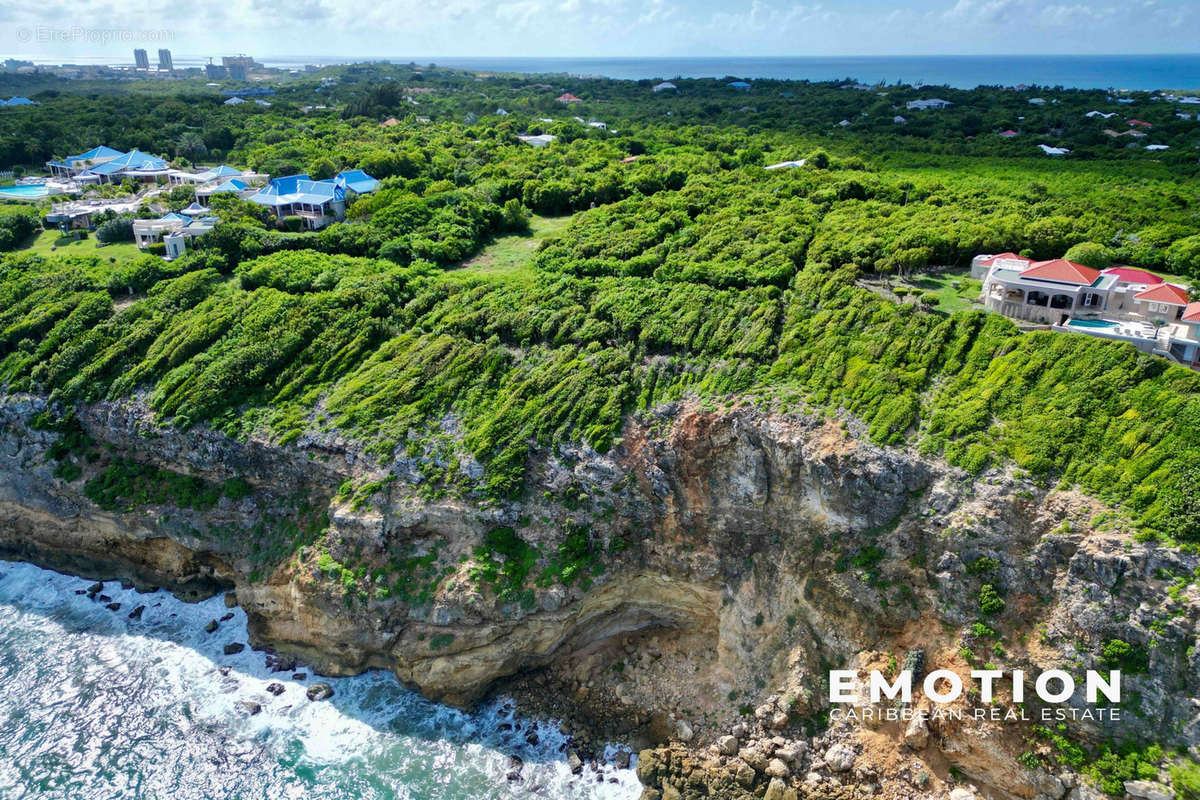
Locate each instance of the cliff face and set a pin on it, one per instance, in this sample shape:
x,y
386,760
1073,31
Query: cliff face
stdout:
x,y
699,579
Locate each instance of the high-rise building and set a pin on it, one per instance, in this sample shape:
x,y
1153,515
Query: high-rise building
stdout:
x,y
140,59
238,66
164,60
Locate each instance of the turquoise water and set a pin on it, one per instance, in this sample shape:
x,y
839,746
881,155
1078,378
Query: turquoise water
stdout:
x,y
1136,72
23,192
1091,323
94,704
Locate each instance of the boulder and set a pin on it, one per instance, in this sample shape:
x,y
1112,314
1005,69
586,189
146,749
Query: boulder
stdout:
x,y
320,691
727,745
777,769
777,789
840,758
791,752
962,794
755,757
210,626
249,707
916,735
684,731
230,600
275,688
778,720
137,612
233,648
1148,790
574,762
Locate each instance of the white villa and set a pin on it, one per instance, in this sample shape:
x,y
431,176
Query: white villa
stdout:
x,y
921,105
173,230
538,140
1119,303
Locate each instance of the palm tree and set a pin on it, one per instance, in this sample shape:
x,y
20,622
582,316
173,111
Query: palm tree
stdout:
x,y
191,146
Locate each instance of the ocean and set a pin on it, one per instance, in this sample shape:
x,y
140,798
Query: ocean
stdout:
x,y
1133,72
94,704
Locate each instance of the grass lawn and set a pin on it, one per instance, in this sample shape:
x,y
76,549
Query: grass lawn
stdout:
x,y
950,299
53,243
511,256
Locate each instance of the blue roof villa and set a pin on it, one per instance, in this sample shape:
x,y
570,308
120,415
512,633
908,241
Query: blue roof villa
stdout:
x,y
101,164
318,203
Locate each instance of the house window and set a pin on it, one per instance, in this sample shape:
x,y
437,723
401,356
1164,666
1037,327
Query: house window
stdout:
x,y
1158,307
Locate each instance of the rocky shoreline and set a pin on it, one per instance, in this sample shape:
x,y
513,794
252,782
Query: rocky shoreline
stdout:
x,y
732,558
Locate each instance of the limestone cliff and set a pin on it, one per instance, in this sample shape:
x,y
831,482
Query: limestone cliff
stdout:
x,y
696,583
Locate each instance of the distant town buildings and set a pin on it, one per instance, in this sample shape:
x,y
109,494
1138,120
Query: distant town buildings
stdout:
x,y
140,59
164,60
237,67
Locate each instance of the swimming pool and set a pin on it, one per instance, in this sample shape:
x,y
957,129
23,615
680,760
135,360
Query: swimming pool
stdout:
x,y
1091,323
30,192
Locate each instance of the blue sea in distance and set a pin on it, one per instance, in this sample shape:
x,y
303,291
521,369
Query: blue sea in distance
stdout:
x,y
96,705
1134,72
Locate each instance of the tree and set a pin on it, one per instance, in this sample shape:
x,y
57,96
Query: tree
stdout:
x,y
191,146
322,168
119,229
516,217
1090,254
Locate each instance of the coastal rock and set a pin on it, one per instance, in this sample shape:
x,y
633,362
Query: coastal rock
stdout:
x,y
249,707
210,626
319,691
233,648
275,688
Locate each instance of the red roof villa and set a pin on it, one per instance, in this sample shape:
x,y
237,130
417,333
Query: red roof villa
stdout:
x,y
1120,303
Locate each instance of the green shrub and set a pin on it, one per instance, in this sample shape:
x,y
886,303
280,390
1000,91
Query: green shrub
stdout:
x,y
990,601
1119,654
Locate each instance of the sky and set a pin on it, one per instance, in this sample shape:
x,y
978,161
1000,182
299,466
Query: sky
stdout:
x,y
62,30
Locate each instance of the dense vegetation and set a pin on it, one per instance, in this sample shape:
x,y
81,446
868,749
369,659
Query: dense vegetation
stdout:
x,y
686,268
